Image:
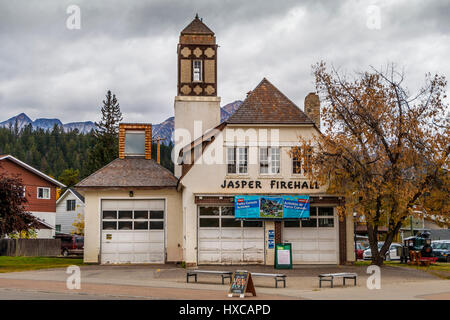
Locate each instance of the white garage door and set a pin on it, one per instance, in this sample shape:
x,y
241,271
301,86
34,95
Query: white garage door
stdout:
x,y
132,231
314,241
224,240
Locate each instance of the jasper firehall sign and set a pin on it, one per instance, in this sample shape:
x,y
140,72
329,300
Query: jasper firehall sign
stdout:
x,y
274,184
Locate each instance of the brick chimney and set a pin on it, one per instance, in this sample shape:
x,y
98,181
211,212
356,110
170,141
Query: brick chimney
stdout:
x,y
312,108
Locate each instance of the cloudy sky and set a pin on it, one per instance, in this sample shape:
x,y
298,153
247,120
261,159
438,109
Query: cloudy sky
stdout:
x,y
129,47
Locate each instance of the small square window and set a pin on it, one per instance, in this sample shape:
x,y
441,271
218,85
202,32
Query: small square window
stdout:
x,y
43,193
156,225
70,205
109,214
157,214
134,143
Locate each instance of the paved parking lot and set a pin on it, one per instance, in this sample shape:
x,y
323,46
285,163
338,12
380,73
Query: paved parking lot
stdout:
x,y
169,282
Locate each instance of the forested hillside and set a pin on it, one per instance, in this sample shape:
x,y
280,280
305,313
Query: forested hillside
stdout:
x,y
54,151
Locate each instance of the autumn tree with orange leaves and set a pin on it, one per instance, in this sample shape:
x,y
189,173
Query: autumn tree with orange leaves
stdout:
x,y
384,149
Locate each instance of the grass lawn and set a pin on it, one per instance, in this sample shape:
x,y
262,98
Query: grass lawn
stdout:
x,y
14,264
439,269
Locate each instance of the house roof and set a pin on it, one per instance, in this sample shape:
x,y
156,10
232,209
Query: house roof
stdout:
x,y
74,192
268,105
197,27
130,172
30,168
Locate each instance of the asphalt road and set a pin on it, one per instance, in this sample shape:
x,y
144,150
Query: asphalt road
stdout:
x,y
14,294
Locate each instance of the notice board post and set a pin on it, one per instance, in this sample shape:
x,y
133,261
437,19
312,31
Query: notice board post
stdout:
x,y
283,256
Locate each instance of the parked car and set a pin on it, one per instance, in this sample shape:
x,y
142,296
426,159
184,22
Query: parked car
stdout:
x,y
391,254
71,244
441,250
360,250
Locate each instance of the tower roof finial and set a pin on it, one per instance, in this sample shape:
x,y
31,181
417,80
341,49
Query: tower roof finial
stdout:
x,y
196,16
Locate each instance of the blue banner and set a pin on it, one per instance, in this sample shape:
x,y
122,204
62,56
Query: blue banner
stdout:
x,y
271,207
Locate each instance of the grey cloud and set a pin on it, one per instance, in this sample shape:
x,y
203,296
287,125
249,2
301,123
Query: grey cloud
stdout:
x,y
129,47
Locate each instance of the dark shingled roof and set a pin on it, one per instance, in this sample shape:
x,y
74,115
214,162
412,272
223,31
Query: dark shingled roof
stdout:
x,y
267,105
130,172
197,27
77,194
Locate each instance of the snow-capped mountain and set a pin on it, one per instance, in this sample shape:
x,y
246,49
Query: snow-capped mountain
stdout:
x,y
23,120
163,130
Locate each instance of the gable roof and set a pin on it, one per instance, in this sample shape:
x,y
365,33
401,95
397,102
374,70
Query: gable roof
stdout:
x,y
268,105
130,172
74,192
33,170
197,27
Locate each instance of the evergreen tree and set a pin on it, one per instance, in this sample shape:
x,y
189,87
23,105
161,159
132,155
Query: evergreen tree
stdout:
x,y
106,147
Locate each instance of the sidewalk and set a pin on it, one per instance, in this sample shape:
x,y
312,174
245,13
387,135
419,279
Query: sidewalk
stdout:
x,y
169,282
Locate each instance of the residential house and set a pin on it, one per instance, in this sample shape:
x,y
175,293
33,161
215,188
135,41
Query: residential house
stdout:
x,y
40,192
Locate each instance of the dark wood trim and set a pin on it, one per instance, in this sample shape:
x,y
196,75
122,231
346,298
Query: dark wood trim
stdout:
x,y
278,235
342,240
327,200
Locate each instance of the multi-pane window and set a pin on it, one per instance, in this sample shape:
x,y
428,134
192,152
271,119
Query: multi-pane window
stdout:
x,y
70,205
322,217
197,70
133,220
223,217
269,160
43,193
237,160
301,163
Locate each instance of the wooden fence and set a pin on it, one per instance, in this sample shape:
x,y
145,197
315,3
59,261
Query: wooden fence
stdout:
x,y
30,247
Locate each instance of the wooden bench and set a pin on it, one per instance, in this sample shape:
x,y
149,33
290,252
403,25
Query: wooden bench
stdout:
x,y
330,277
223,274
277,276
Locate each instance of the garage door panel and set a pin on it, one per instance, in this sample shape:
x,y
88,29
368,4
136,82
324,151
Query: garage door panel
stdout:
x,y
209,257
328,257
253,257
209,233
253,245
230,244
253,233
231,257
209,245
231,233
327,245
132,246
312,244
326,233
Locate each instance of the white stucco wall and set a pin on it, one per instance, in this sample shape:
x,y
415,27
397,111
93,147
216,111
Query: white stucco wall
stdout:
x,y
173,225
188,110
209,173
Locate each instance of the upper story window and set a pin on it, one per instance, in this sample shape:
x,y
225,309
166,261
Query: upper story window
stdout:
x,y
301,163
237,160
43,193
197,70
269,160
70,205
134,143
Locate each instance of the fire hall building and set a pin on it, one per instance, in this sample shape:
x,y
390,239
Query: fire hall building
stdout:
x,y
139,212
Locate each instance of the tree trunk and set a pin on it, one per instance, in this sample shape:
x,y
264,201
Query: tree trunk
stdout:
x,y
377,259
